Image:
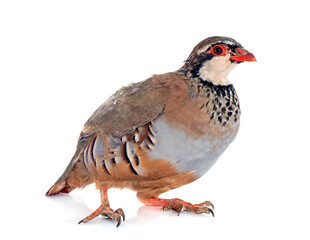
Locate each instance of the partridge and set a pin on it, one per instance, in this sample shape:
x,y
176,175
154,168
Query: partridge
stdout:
x,y
161,133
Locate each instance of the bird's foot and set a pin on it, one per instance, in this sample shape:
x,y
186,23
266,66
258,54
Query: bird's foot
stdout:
x,y
105,210
179,205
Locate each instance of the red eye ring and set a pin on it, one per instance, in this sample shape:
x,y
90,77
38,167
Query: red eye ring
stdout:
x,y
219,50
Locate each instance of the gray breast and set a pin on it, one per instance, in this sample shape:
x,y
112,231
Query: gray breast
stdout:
x,y
186,153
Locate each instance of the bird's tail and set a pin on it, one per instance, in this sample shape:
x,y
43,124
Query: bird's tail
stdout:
x,y
59,186
75,175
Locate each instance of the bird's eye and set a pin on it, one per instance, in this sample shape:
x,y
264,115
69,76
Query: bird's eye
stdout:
x,y
218,50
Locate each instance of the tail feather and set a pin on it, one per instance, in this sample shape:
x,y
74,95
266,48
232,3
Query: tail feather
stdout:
x,y
58,187
62,184
75,175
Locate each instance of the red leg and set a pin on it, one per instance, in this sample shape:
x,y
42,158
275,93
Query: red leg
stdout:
x,y
105,210
179,205
104,196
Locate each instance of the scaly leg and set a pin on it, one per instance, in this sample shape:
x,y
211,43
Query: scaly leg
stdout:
x,y
179,205
105,210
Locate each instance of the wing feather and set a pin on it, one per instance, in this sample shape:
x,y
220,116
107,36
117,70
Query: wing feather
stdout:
x,y
135,105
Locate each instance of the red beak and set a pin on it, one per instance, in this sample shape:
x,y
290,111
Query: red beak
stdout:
x,y
243,56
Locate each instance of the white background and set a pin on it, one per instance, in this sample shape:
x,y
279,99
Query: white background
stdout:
x,y
59,60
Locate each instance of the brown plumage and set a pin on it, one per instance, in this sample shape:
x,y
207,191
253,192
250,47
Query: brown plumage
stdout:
x,y
161,133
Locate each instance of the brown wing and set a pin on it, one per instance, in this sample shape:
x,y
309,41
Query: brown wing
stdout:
x,y
121,115
136,105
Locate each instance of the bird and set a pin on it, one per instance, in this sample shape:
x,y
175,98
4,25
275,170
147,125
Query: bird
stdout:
x,y
161,133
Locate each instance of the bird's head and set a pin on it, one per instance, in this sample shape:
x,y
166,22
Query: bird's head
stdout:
x,y
213,58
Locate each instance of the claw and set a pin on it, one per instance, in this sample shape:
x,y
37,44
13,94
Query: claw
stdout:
x,y
82,221
121,212
211,212
119,220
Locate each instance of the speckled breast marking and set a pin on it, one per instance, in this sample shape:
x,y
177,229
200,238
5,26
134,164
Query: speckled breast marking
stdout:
x,y
188,154
193,137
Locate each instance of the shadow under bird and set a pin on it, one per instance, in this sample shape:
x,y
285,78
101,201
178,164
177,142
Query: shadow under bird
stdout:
x,y
161,133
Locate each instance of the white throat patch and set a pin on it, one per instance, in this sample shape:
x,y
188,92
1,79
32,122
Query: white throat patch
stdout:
x,y
216,70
